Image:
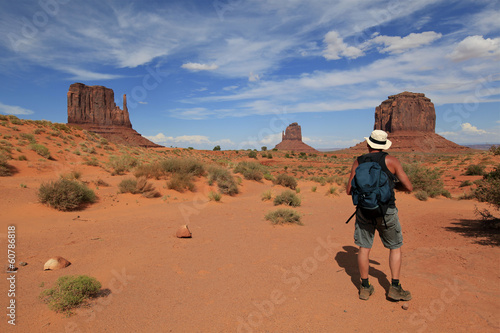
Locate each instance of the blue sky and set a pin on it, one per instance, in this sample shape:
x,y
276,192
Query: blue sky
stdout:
x,y
235,73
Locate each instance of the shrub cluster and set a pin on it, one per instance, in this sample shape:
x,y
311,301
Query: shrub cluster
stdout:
x,y
283,215
475,170
250,170
488,189
287,198
122,164
224,179
286,181
65,195
40,150
426,182
5,168
70,291
138,185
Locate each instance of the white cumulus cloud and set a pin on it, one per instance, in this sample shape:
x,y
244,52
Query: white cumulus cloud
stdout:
x,y
336,48
193,66
476,47
396,44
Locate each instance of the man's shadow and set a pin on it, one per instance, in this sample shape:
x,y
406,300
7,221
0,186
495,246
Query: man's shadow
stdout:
x,y
348,260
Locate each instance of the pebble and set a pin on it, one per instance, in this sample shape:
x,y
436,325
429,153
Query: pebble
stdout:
x,y
405,306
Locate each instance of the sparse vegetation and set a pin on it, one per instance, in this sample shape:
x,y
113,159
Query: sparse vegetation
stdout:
x,y
214,196
138,185
287,198
488,190
40,150
283,216
267,195
250,170
70,292
122,164
425,180
181,182
65,195
5,168
224,179
475,170
286,181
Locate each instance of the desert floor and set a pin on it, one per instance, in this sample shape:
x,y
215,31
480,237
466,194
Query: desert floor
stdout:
x,y
240,273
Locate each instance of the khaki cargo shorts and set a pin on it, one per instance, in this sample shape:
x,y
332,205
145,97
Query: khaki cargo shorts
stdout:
x,y
391,237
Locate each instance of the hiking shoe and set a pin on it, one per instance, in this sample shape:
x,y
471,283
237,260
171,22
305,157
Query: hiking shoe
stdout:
x,y
365,293
398,294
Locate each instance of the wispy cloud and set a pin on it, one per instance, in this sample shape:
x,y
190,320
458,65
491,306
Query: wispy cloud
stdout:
x,y
200,141
14,110
469,133
193,66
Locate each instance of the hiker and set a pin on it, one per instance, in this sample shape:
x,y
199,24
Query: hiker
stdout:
x,y
387,225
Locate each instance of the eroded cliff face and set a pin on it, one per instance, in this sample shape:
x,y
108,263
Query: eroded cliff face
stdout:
x,y
93,108
292,140
96,105
406,112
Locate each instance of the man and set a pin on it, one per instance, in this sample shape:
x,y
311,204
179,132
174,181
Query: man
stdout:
x,y
388,227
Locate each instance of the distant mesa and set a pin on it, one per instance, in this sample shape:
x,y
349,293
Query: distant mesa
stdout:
x,y
291,139
93,108
410,120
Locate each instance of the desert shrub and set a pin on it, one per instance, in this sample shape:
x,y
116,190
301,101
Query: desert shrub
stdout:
x,y
252,154
286,181
72,175
465,183
421,195
122,164
29,137
70,292
217,148
65,195
181,182
14,120
313,189
183,165
495,150
488,190
475,170
332,191
138,185
92,162
283,215
250,170
22,158
214,196
425,179
267,195
287,198
224,179
5,168
40,150
62,127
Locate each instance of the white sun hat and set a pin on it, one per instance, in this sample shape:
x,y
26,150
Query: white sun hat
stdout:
x,y
378,140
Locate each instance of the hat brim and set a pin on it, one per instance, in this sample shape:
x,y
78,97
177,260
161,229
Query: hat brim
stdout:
x,y
374,145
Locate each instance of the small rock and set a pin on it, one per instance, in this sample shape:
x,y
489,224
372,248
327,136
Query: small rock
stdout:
x,y
22,263
183,232
405,306
56,263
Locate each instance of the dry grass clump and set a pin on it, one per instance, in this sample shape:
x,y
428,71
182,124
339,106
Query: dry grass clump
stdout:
x,y
138,185
224,179
286,181
283,216
214,196
40,150
181,182
267,195
65,194
250,170
122,164
287,198
5,168
425,180
70,292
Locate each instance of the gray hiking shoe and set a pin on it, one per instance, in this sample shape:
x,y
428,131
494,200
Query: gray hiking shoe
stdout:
x,y
398,294
365,293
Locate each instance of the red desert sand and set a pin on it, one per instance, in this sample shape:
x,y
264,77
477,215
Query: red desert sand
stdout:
x,y
239,273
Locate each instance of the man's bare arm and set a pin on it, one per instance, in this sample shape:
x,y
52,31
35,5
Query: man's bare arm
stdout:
x,y
353,172
397,169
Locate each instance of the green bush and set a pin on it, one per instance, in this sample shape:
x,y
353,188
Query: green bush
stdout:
x,y
488,190
29,137
181,182
287,198
267,195
465,183
40,150
70,292
425,179
495,150
136,186
252,154
5,168
282,216
224,179
286,181
216,148
122,164
65,195
474,170
250,170
214,196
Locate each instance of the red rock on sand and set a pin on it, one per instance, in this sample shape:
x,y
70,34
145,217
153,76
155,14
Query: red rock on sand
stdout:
x,y
183,232
56,263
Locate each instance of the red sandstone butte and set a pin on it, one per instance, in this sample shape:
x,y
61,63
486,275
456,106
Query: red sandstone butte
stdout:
x,y
93,108
410,120
292,140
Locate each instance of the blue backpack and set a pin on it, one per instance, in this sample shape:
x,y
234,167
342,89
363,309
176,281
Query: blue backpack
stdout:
x,y
371,189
